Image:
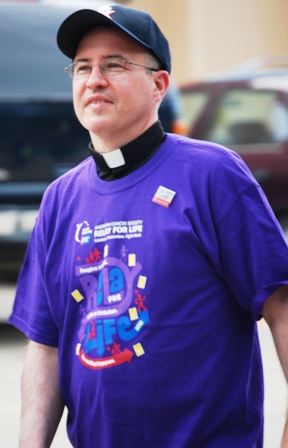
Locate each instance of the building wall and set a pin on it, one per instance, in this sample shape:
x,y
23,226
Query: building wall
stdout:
x,y
208,36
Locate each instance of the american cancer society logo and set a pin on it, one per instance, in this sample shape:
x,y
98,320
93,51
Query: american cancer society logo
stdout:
x,y
83,233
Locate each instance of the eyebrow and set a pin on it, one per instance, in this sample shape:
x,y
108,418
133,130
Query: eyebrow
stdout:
x,y
109,56
81,60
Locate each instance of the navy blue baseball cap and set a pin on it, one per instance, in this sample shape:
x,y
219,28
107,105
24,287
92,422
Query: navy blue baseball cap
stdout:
x,y
137,24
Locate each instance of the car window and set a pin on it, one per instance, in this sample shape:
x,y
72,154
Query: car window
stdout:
x,y
193,103
39,141
244,116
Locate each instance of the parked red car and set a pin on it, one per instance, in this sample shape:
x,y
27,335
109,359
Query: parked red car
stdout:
x,y
247,111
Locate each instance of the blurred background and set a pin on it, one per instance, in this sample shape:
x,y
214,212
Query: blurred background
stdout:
x,y
229,85
208,36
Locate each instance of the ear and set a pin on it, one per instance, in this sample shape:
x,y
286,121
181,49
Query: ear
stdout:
x,y
162,81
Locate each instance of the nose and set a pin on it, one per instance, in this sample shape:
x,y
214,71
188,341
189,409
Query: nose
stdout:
x,y
96,78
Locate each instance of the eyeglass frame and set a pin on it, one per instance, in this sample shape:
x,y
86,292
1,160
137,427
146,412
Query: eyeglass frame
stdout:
x,y
102,69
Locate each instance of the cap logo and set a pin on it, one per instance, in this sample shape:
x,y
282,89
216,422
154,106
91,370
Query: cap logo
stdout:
x,y
106,11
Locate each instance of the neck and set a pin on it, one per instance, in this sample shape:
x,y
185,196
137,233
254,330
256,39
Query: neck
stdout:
x,y
106,144
124,160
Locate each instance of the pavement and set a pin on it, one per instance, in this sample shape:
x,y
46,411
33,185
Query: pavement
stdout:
x,y
12,351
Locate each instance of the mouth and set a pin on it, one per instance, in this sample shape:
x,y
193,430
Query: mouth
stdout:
x,y
95,101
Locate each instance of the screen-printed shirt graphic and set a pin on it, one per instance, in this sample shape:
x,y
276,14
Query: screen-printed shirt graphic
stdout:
x,y
111,295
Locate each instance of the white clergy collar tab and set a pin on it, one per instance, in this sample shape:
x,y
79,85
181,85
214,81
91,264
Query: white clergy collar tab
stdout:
x,y
114,159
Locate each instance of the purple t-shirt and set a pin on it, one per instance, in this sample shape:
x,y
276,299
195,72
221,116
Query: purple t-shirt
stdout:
x,y
151,286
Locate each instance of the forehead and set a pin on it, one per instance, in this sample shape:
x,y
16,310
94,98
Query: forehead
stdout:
x,y
108,38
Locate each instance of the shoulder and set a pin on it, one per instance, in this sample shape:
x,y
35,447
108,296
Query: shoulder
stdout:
x,y
201,149
70,178
207,159
61,194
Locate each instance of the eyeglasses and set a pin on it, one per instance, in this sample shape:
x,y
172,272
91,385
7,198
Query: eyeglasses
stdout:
x,y
109,67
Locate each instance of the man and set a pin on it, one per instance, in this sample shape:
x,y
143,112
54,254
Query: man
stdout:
x,y
171,112
148,267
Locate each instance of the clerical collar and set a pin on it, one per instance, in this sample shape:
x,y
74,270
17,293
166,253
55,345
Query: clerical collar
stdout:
x,y
128,158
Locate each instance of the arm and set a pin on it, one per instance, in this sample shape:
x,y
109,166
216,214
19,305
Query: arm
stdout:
x,y
42,404
275,312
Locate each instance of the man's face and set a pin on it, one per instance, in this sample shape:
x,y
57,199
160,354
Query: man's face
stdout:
x,y
115,109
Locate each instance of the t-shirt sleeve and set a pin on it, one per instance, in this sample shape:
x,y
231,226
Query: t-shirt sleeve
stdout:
x,y
31,312
252,246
